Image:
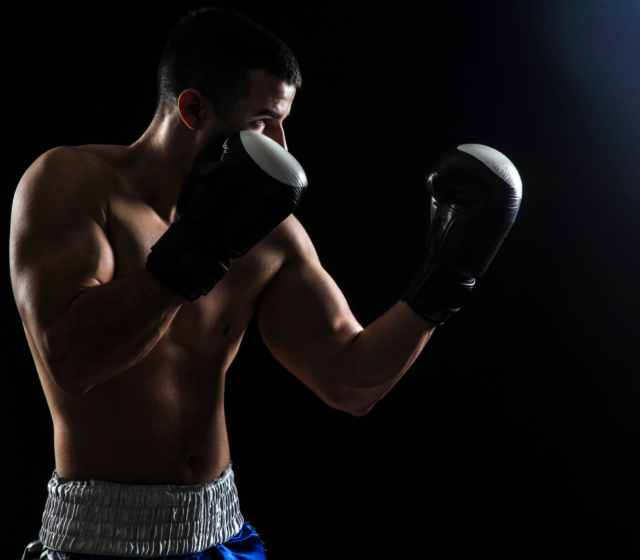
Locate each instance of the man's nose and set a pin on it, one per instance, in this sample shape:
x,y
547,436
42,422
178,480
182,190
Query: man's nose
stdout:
x,y
277,134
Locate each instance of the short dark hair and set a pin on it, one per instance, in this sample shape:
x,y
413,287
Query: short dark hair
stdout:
x,y
213,50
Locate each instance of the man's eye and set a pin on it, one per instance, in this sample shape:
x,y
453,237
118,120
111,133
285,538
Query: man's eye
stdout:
x,y
261,122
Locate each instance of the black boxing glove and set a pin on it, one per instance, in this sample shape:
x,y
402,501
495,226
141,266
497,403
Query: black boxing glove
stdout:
x,y
227,204
476,193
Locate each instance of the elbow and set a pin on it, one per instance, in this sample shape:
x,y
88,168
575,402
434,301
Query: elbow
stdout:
x,y
65,372
351,402
74,390
65,365
359,411
68,380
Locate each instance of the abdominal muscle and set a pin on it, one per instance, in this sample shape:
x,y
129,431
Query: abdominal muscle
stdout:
x,y
161,421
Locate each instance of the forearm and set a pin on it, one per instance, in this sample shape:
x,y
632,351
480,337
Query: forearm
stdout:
x,y
381,354
108,329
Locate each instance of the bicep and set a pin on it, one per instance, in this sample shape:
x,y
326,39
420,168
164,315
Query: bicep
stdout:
x,y
305,320
58,246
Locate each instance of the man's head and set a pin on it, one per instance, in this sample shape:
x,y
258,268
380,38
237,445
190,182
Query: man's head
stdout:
x,y
215,59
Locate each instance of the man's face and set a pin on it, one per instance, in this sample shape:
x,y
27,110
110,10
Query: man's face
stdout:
x,y
265,108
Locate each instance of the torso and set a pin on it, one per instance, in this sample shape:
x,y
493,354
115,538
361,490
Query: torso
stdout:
x,y
161,421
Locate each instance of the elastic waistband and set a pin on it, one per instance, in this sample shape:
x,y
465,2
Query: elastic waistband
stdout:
x,y
97,517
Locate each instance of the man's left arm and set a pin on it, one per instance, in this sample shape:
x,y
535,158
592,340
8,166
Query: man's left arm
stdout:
x,y
306,322
307,325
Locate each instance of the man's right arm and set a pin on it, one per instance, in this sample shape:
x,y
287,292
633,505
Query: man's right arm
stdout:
x,y
86,326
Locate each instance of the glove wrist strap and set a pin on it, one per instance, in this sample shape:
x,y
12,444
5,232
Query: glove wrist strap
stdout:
x,y
436,293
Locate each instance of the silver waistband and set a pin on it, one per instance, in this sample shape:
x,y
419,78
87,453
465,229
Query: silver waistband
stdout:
x,y
96,517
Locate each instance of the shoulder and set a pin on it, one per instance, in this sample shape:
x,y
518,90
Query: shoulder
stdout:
x,y
65,161
293,241
64,176
285,250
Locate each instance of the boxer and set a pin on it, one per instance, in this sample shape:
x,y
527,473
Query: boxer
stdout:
x,y
136,270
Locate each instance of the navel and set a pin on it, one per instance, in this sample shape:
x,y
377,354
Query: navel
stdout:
x,y
226,330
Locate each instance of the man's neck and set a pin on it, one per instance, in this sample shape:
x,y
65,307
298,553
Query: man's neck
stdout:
x,y
160,159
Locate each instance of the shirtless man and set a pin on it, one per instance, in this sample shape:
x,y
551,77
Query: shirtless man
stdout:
x,y
132,361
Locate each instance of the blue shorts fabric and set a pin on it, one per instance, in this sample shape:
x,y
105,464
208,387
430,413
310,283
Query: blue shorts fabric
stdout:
x,y
244,545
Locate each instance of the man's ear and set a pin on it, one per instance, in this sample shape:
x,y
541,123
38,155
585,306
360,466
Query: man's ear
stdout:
x,y
191,105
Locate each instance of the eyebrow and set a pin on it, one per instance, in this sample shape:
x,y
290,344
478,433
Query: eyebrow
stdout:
x,y
269,112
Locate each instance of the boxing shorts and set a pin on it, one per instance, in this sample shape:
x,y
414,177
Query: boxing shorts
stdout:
x,y
97,520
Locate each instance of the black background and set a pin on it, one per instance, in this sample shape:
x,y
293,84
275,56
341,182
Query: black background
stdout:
x,y
517,431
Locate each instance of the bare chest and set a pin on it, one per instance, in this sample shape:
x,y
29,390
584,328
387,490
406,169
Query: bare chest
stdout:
x,y
211,324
